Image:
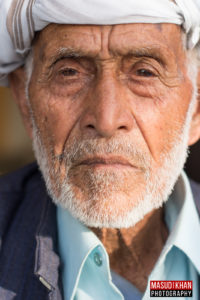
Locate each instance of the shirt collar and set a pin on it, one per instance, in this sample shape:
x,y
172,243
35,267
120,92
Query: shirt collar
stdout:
x,y
183,221
76,242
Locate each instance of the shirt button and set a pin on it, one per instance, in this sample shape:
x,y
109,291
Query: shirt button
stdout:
x,y
97,259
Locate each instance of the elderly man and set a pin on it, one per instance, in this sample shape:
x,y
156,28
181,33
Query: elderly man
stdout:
x,y
109,93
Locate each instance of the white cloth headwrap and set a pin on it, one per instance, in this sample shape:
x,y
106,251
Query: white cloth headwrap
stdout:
x,y
19,19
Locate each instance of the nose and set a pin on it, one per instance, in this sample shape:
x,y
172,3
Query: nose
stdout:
x,y
108,110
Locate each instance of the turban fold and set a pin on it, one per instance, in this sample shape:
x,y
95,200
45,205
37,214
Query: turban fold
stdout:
x,y
20,19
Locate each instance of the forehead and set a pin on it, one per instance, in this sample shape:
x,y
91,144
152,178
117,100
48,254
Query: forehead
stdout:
x,y
116,39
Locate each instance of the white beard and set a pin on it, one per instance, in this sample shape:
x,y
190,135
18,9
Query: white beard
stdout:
x,y
94,210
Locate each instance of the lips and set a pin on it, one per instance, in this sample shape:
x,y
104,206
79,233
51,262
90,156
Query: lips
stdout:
x,y
107,161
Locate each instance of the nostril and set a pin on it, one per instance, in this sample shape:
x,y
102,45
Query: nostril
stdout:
x,y
122,127
90,126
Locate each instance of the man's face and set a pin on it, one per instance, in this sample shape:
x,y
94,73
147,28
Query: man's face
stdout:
x,y
109,106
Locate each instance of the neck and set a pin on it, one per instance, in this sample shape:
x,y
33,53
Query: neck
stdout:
x,y
134,251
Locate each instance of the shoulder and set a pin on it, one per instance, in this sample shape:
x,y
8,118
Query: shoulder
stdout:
x,y
28,176
196,193
20,191
27,233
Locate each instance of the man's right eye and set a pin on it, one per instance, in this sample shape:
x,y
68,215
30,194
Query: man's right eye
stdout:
x,y
69,72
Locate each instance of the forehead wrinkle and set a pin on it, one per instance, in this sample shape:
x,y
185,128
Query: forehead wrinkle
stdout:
x,y
106,37
73,47
67,41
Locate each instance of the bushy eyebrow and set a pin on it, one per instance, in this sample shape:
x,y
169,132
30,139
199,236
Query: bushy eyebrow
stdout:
x,y
150,52
66,52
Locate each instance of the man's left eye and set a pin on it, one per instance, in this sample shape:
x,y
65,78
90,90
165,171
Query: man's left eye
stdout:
x,y
69,72
145,73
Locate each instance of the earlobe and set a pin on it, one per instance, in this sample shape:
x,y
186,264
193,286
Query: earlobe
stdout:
x,y
194,135
17,80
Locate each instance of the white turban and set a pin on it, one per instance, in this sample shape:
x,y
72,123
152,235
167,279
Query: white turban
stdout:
x,y
20,19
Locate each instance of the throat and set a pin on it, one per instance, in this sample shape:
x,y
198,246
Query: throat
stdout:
x,y
134,251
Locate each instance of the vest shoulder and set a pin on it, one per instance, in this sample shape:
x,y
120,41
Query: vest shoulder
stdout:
x,y
26,177
20,191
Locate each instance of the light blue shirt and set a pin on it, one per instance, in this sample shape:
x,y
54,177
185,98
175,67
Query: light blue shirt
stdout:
x,y
86,274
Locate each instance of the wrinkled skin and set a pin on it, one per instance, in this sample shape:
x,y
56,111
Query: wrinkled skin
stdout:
x,y
126,80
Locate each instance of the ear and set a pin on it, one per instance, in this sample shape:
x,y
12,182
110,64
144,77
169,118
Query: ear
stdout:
x,y
194,135
17,80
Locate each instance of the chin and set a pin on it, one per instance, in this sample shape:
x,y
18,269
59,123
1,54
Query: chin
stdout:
x,y
108,209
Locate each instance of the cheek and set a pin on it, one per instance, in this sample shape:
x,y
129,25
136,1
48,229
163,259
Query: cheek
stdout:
x,y
161,119
55,120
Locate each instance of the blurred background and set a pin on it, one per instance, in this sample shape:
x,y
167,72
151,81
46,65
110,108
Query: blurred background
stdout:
x,y
15,146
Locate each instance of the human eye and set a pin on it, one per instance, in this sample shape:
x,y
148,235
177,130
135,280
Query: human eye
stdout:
x,y
69,76
141,75
69,72
145,73
143,69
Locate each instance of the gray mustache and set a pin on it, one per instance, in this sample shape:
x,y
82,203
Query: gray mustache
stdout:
x,y
78,150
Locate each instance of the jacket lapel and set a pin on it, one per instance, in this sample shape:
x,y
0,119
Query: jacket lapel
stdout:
x,y
47,262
